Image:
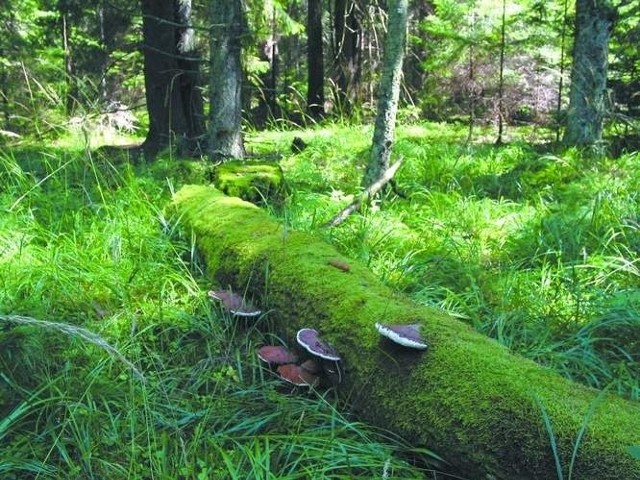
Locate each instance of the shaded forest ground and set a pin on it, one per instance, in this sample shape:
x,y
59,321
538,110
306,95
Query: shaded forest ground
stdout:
x,y
536,249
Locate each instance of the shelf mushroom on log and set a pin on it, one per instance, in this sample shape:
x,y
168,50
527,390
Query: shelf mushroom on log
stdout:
x,y
309,339
276,355
235,303
483,409
405,335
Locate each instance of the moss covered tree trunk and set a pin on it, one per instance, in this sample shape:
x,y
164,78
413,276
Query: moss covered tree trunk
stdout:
x,y
466,397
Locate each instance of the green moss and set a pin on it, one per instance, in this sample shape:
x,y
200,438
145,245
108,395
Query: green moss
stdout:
x,y
252,181
466,397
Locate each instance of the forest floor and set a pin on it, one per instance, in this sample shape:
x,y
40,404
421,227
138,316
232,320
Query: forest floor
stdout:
x,y
115,364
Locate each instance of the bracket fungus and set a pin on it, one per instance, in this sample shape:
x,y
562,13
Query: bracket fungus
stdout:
x,y
405,335
235,303
297,375
276,355
309,339
323,367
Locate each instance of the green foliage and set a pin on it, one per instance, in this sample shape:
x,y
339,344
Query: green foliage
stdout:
x,y
464,68
534,248
84,243
61,59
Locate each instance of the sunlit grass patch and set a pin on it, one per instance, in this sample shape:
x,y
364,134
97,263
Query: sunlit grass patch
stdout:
x,y
528,245
87,245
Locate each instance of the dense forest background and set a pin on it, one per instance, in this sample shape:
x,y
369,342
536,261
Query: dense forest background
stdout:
x,y
65,63
506,200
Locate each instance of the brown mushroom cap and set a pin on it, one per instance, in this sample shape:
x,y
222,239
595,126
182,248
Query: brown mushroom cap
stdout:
x,y
309,339
405,335
297,375
276,355
235,303
311,366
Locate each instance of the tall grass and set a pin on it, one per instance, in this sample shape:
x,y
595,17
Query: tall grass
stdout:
x,y
534,247
97,289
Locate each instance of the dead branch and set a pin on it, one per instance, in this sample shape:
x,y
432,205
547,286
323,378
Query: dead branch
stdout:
x,y
365,196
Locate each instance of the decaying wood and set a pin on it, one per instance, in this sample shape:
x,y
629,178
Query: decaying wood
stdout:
x,y
365,196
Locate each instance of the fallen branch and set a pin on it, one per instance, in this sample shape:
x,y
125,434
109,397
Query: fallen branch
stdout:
x,y
365,196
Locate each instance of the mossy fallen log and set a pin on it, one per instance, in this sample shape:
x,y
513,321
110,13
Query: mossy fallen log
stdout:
x,y
465,397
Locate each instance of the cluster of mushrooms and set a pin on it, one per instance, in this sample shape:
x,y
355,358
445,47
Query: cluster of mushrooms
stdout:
x,y
319,362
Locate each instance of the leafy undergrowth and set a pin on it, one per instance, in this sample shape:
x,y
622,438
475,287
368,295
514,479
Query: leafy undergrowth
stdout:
x,y
135,374
534,247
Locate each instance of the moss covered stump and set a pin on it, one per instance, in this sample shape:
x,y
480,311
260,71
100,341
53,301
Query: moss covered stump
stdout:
x,y
253,181
466,397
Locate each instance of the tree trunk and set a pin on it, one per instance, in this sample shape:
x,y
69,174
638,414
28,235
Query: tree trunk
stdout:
x,y
4,94
346,41
594,23
171,76
563,38
503,45
315,60
71,93
466,397
389,92
269,51
225,130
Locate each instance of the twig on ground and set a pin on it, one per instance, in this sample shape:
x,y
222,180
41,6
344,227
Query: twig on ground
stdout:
x,y
365,196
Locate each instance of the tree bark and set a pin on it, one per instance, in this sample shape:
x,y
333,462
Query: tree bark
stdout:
x,y
563,38
389,92
315,60
188,62
225,131
371,191
503,45
594,23
269,51
71,93
346,41
466,397
4,94
171,77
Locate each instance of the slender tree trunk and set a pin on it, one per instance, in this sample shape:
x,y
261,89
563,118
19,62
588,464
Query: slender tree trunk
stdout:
x,y
171,78
473,90
188,63
503,34
102,89
4,92
594,23
389,92
563,41
315,60
268,107
71,94
346,41
225,131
